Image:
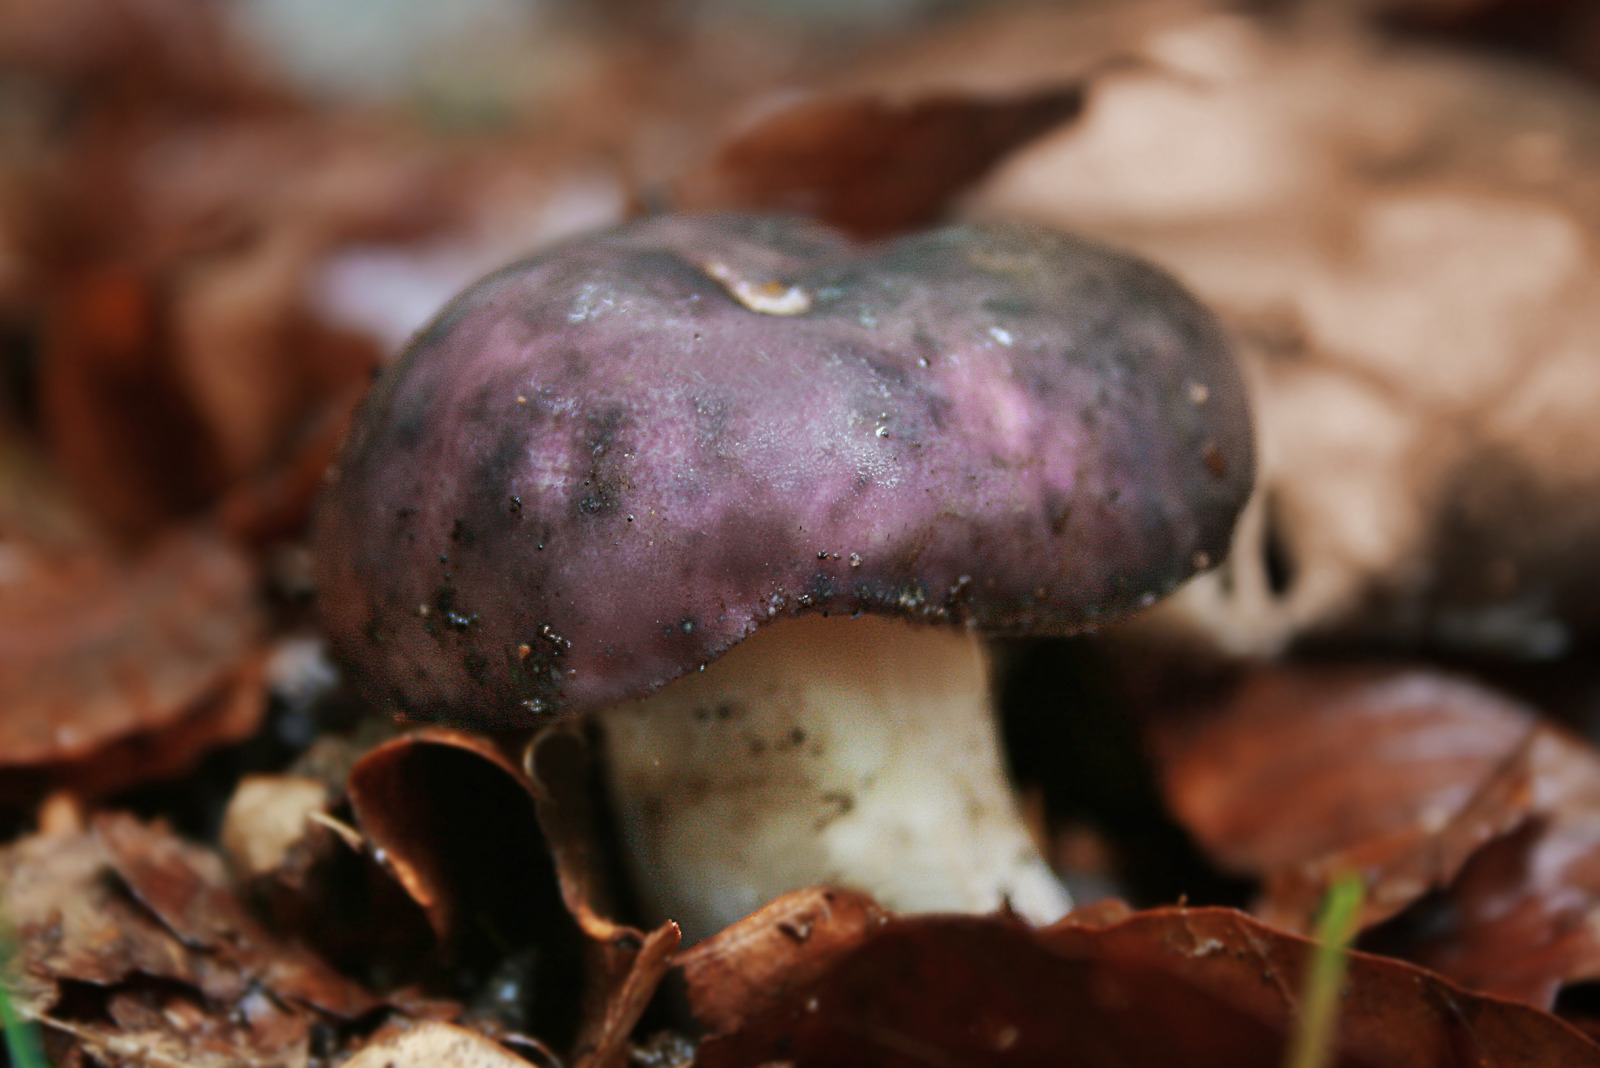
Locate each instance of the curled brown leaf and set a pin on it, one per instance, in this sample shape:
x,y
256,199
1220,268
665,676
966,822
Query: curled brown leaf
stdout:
x,y
1193,986
873,164
433,1044
758,963
625,965
1298,764
186,888
452,818
130,946
154,657
1475,825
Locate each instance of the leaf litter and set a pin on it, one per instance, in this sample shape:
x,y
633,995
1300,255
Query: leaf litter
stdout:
x,y
113,670
134,949
171,218
991,990
1453,801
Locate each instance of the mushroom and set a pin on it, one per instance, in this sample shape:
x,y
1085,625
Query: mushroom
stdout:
x,y
798,477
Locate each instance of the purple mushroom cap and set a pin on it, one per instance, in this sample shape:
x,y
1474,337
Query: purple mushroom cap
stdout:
x,y
600,468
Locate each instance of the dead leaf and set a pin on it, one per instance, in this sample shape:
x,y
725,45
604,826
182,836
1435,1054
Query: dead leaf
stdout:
x,y
186,887
134,52
268,817
635,971
1192,986
305,871
452,819
1519,918
162,754
71,923
116,415
153,1028
560,769
1450,799
35,509
758,963
250,354
431,1044
130,945
1298,764
176,372
171,241
441,809
96,652
1564,33
275,503
625,965
868,164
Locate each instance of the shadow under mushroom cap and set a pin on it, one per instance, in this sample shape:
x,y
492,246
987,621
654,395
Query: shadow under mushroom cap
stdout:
x,y
600,468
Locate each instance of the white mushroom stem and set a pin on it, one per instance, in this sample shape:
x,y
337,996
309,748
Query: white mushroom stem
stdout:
x,y
857,752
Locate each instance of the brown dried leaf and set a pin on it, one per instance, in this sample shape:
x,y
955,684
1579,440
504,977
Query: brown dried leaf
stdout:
x,y
96,652
244,215
1563,33
893,141
114,411
161,754
631,971
465,832
1010,49
1192,986
310,878
313,876
431,1044
756,965
275,504
454,820
1518,922
35,509
186,888
1520,917
151,1027
130,945
625,965
1425,784
72,923
1302,763
252,360
125,56
872,164
560,768
173,260
269,817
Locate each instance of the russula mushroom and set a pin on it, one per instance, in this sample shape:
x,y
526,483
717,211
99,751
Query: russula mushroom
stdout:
x,y
698,448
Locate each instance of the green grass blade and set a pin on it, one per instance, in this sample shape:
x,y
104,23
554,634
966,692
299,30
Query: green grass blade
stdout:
x,y
22,1036
1316,1028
